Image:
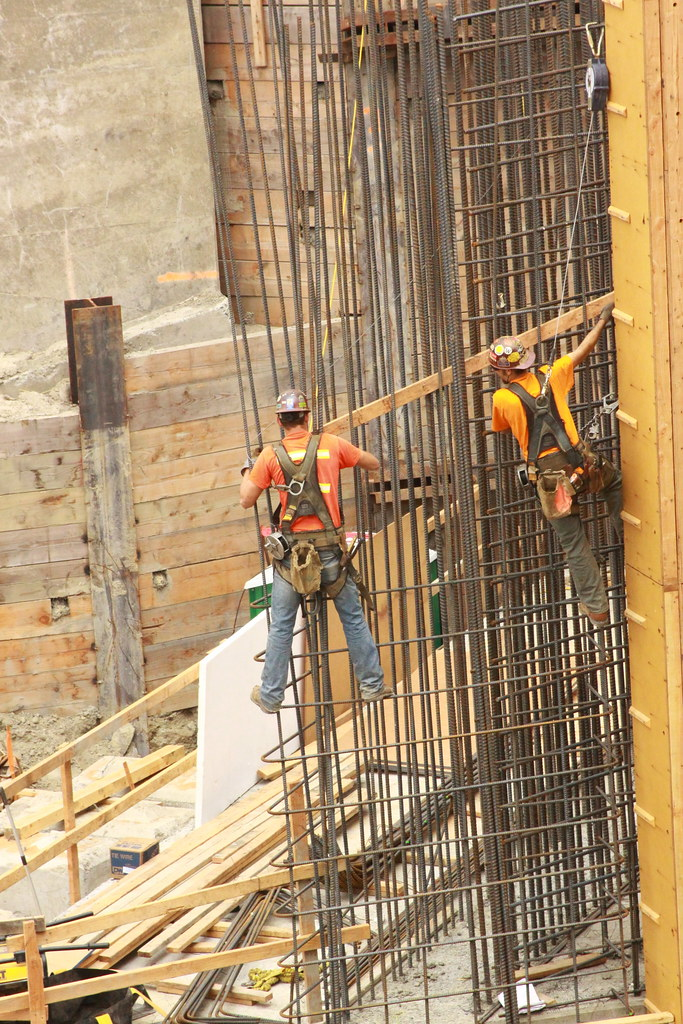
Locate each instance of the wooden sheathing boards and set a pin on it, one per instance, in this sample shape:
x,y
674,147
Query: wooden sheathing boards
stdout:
x,y
196,546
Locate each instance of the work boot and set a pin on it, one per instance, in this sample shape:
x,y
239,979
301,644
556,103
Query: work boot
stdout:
x,y
369,696
598,619
256,699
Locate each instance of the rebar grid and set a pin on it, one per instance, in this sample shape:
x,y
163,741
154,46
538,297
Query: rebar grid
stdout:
x,y
489,805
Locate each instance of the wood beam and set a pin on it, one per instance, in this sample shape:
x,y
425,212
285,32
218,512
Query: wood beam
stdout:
x,y
107,479
428,385
16,1005
66,752
103,922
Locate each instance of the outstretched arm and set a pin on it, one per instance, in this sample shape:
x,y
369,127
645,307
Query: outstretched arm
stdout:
x,y
368,461
583,350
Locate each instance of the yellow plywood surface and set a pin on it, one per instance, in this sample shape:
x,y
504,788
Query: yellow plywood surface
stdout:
x,y
643,52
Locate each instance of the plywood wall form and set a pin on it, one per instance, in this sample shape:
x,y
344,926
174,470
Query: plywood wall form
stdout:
x,y
196,546
644,45
252,154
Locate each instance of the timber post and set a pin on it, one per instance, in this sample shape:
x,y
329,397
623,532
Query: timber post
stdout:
x,y
107,476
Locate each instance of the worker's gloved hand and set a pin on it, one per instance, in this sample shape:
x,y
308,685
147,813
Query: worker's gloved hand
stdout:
x,y
248,463
606,312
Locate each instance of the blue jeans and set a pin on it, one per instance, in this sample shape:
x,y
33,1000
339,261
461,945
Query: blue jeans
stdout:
x,y
285,603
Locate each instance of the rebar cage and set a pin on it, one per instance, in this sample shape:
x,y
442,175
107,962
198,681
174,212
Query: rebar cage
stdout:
x,y
442,184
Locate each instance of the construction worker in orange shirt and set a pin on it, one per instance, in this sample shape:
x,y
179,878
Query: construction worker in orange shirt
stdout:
x,y
308,551
559,463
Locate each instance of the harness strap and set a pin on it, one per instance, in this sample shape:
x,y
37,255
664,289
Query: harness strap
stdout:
x,y
306,476
543,418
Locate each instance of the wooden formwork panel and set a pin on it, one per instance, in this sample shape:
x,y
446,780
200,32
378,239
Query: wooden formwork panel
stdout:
x,y
196,546
643,54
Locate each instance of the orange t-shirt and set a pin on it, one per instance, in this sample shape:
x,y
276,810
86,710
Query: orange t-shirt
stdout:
x,y
509,412
334,453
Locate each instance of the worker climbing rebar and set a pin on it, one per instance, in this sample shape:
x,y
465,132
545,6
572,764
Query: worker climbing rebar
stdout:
x,y
309,551
559,464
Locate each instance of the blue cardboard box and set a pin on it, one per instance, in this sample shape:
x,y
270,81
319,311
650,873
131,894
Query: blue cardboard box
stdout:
x,y
130,854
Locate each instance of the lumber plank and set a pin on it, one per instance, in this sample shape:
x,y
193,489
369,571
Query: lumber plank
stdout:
x,y
175,621
238,993
191,582
181,878
49,690
202,361
35,618
189,547
187,965
240,198
40,544
183,512
35,983
112,783
42,471
186,439
74,835
428,385
149,879
46,653
68,751
42,508
264,833
35,436
217,31
185,929
44,581
183,402
164,660
125,941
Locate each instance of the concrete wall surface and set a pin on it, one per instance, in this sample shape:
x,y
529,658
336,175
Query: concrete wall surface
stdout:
x,y
104,166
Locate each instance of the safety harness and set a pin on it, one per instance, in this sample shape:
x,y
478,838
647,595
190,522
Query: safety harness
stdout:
x,y
545,427
304,498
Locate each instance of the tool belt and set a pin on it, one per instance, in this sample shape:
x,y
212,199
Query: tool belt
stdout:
x,y
304,572
559,482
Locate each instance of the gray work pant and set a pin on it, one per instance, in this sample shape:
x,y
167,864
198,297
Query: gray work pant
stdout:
x,y
581,562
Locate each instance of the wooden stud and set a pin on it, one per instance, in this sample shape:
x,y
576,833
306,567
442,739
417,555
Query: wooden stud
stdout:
x,y
37,1006
617,108
19,1004
640,716
632,616
644,815
618,214
626,517
623,318
9,878
259,33
649,912
436,381
69,824
628,421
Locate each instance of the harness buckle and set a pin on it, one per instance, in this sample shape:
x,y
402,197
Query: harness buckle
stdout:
x,y
296,487
610,403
